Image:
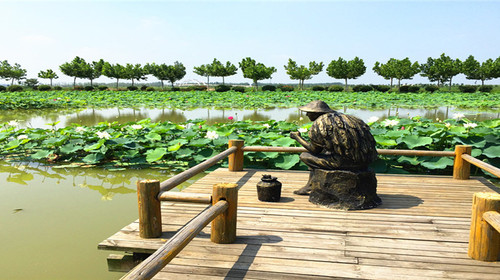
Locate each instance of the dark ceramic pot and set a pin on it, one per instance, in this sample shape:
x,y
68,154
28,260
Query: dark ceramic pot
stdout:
x,y
269,189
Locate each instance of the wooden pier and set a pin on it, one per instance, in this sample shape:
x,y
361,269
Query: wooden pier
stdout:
x,y
420,232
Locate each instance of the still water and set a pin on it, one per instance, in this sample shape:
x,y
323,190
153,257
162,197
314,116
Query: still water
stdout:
x,y
52,219
42,118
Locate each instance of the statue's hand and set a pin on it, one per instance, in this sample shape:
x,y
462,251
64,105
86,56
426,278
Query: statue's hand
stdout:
x,y
294,135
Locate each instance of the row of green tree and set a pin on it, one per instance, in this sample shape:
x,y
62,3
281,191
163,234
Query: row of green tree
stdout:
x,y
440,70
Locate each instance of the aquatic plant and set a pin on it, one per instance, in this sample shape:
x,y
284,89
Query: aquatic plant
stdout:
x,y
180,145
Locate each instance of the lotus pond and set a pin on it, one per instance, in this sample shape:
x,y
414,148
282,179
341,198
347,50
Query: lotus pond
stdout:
x,y
68,172
45,118
53,218
231,99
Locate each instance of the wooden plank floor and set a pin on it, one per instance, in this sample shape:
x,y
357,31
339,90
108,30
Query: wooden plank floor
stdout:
x,y
420,232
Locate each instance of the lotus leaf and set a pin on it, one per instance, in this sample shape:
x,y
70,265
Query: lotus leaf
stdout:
x,y
492,152
155,155
286,161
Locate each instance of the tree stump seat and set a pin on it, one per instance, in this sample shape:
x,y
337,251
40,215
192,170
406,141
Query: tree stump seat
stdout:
x,y
343,189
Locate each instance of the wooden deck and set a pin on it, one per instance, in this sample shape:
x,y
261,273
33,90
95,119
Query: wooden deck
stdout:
x,y
420,232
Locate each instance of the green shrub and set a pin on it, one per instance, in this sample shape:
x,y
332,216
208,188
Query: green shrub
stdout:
x,y
362,88
381,88
198,88
335,88
44,87
2,88
269,88
150,89
132,88
58,88
431,88
222,88
89,88
144,87
285,88
414,89
103,87
467,88
178,89
14,88
318,88
238,89
486,88
78,88
405,89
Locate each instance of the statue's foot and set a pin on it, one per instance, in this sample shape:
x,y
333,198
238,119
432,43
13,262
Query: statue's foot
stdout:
x,y
303,191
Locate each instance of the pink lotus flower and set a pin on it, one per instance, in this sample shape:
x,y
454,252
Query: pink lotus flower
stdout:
x,y
230,118
402,128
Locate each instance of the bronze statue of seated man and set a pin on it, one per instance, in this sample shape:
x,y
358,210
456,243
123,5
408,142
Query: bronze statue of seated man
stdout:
x,y
337,142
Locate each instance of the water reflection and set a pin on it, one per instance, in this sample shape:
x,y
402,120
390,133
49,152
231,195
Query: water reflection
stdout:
x,y
107,183
40,118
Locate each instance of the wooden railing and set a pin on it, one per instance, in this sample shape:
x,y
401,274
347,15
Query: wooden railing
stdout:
x,y
461,165
152,192
222,213
484,240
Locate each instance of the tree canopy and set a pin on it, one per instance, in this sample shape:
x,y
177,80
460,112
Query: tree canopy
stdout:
x,y
12,72
48,74
441,69
487,70
115,71
255,71
204,70
342,69
301,72
77,68
397,69
135,72
221,70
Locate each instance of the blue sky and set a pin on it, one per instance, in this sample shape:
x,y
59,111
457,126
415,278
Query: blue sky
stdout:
x,y
44,34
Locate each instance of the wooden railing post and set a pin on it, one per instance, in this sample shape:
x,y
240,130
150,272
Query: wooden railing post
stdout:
x,y
149,208
224,226
236,158
461,168
484,240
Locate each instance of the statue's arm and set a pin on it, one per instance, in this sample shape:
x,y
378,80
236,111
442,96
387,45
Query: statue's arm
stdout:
x,y
313,149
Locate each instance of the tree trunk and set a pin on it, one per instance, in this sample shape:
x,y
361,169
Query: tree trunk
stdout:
x,y
74,82
482,82
12,81
438,83
256,85
117,83
222,79
132,82
208,82
91,84
172,83
450,85
399,83
345,85
391,83
161,84
50,82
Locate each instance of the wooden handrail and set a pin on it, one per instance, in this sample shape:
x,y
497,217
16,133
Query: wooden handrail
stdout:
x,y
185,197
492,218
419,153
186,175
484,239
159,259
379,151
481,164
